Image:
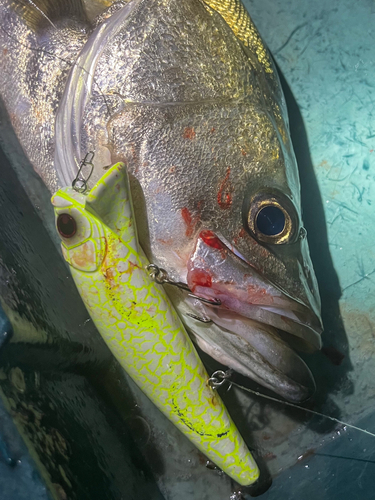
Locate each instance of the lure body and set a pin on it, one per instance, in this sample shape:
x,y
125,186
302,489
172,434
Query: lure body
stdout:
x,y
137,321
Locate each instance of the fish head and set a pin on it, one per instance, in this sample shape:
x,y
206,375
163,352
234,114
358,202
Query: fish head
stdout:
x,y
230,171
234,233
204,132
251,248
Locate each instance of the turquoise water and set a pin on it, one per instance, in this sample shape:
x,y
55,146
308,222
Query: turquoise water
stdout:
x,y
326,54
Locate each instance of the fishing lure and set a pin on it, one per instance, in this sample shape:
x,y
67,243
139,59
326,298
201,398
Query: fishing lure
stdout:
x,y
137,321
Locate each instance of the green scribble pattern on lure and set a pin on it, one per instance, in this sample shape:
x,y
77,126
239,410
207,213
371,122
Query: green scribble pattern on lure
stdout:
x,y
137,321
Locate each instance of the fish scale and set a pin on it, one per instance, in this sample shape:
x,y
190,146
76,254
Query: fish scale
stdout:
x,y
237,17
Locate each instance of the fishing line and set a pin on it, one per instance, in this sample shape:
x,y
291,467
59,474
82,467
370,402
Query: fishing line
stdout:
x,y
313,412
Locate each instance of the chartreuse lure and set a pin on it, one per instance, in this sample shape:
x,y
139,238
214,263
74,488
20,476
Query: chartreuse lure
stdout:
x,y
137,321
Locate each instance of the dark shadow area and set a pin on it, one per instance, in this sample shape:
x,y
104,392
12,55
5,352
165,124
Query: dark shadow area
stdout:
x,y
330,367
54,364
129,416
84,451
34,280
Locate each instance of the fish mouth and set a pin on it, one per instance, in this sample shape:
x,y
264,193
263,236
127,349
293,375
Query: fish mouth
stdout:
x,y
255,327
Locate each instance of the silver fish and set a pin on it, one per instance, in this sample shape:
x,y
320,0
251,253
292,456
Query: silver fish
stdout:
x,y
186,94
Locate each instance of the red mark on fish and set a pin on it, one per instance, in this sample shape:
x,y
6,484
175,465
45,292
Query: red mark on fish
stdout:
x,y
211,239
199,277
188,219
224,194
257,295
191,221
241,234
287,320
189,133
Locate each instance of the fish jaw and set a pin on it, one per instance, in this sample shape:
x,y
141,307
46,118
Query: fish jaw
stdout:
x,y
251,349
253,318
214,271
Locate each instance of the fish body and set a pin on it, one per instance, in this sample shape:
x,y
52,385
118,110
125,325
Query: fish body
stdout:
x,y
186,94
137,321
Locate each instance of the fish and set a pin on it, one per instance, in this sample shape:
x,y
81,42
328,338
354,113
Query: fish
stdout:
x,y
186,95
137,321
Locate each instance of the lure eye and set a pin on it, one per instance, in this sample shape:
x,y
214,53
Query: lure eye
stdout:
x,y
66,225
272,218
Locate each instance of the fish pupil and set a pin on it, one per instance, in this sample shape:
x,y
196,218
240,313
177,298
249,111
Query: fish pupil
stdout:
x,y
66,225
270,220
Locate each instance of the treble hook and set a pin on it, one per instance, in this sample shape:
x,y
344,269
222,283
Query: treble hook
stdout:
x,y
87,160
161,277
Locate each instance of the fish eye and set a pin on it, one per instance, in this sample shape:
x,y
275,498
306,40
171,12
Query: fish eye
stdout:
x,y
272,218
66,225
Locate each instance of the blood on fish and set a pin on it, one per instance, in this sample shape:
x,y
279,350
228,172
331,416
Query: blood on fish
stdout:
x,y
286,320
189,133
254,290
165,242
224,194
211,239
134,153
190,221
199,277
269,456
241,234
186,215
